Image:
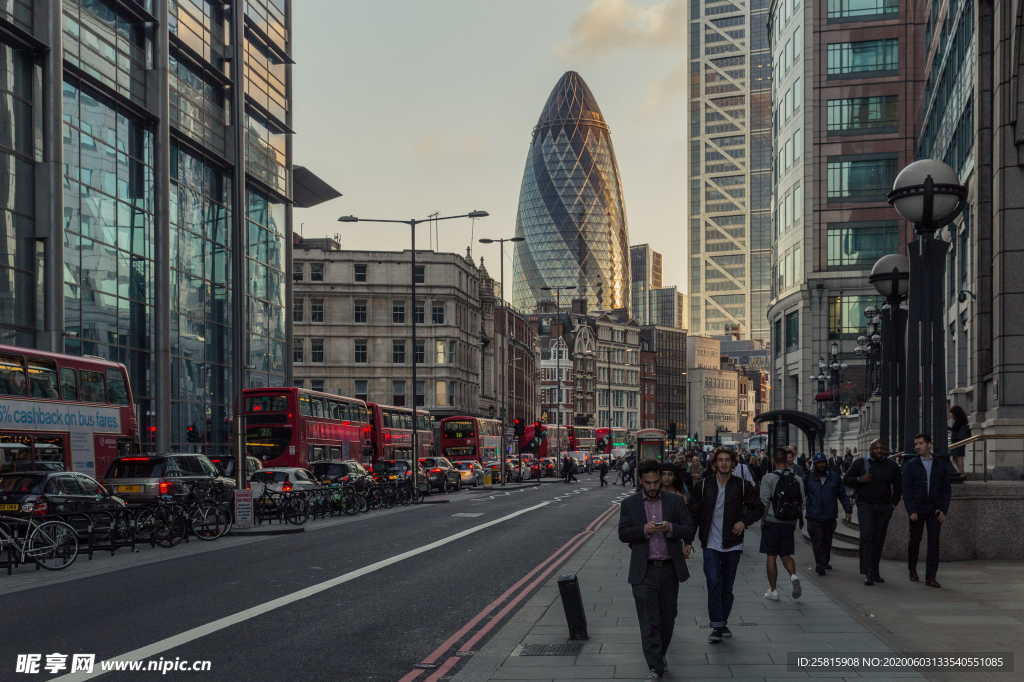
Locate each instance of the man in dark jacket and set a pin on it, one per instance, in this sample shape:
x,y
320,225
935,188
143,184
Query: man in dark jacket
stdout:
x,y
724,506
926,493
878,487
823,491
655,524
603,470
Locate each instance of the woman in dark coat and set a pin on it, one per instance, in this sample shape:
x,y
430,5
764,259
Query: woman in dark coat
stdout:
x,y
958,431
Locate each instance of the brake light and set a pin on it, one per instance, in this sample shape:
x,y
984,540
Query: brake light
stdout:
x,y
286,487
135,459
257,408
344,478
165,487
435,471
408,473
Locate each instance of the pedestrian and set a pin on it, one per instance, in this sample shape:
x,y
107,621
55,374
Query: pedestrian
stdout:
x,y
631,469
793,464
926,493
847,461
624,473
782,494
724,505
655,525
878,487
566,468
743,471
958,430
602,469
573,468
696,468
823,490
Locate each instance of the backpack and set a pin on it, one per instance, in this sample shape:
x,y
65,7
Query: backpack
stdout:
x,y
787,503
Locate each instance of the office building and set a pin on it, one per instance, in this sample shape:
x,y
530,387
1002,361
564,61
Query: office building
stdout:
x,y
730,156
711,391
571,211
645,275
669,347
148,163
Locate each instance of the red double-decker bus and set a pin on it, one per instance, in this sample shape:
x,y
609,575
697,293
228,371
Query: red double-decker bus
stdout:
x,y
470,438
294,427
612,440
544,440
650,444
75,411
582,438
391,432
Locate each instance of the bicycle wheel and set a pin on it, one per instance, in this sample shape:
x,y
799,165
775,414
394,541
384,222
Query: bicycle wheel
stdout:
x,y
53,545
296,511
349,503
171,525
362,503
210,521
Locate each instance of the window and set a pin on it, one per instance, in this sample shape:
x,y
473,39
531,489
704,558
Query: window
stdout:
x,y
359,271
860,179
360,389
316,272
298,309
360,353
857,115
317,384
866,56
421,352
359,311
298,351
777,336
792,331
452,358
398,312
846,319
68,384
117,387
90,387
12,375
420,274
316,309
42,380
440,353
440,393
398,352
420,315
298,272
316,350
398,393
861,9
299,383
437,312
861,244
420,397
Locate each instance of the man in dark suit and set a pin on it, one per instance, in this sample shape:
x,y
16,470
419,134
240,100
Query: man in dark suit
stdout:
x,y
926,493
655,524
878,487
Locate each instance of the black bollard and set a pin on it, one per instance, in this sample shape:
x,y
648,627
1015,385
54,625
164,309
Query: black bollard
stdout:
x,y
572,604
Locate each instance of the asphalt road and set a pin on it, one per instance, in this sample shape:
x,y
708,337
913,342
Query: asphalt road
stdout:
x,y
383,617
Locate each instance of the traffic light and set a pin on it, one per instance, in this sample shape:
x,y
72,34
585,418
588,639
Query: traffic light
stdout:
x,y
517,425
671,430
191,434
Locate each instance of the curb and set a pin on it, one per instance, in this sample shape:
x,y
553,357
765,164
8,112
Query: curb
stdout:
x,y
267,531
497,488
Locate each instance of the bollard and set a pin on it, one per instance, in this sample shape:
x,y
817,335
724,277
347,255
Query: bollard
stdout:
x,y
572,604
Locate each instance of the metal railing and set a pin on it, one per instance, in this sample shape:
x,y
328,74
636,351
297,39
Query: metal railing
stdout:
x,y
1006,465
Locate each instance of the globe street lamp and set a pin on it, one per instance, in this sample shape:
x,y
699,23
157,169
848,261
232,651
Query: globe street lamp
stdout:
x,y
927,193
891,277
412,223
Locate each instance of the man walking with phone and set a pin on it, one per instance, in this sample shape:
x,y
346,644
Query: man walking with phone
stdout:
x,y
655,524
878,486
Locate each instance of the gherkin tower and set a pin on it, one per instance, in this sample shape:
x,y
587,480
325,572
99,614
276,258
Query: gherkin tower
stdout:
x,y
571,212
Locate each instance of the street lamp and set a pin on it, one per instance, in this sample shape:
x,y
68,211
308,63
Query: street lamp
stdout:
x,y
928,193
412,223
504,345
891,278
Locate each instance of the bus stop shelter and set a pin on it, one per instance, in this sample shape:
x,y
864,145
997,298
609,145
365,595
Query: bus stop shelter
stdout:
x,y
779,421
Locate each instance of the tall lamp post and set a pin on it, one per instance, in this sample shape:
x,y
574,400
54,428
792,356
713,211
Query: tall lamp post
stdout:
x,y
891,277
558,358
928,193
870,347
412,223
504,360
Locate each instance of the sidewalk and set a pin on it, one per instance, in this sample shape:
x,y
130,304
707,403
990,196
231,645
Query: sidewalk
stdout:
x,y
764,631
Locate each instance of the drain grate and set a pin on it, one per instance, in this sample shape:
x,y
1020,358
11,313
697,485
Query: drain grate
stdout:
x,y
562,649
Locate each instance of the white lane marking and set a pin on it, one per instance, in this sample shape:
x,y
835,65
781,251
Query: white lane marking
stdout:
x,y
468,515
187,636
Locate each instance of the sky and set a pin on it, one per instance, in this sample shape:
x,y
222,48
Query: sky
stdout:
x,y
408,107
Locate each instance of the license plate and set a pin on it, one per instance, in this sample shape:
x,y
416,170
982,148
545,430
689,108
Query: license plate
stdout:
x,y
129,488
10,507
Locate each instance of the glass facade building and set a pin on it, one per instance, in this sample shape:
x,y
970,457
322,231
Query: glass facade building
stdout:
x,y
571,210
158,207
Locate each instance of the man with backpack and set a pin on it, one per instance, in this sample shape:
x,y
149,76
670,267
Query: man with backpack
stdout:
x,y
782,494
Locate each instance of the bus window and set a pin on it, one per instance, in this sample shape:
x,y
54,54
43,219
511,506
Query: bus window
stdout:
x,y
90,386
42,379
317,406
68,383
12,376
269,403
117,389
305,408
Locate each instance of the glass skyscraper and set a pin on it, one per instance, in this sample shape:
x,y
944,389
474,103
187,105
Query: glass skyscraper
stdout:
x,y
139,205
571,211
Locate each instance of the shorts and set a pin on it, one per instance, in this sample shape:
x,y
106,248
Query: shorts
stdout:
x,y
777,538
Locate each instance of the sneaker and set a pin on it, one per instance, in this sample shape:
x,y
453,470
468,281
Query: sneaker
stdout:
x,y
772,595
820,571
653,675
797,590
726,632
716,636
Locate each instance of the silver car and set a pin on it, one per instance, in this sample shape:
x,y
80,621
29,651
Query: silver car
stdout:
x,y
145,478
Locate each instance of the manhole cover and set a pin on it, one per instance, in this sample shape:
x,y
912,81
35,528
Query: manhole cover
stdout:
x,y
563,649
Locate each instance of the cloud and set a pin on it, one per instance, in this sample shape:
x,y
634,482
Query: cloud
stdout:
x,y
668,88
610,25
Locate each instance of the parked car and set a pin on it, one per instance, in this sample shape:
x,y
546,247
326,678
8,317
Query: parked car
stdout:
x,y
549,467
282,480
342,471
43,493
226,465
531,465
144,478
441,474
472,472
385,470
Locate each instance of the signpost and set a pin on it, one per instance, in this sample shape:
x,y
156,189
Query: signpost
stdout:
x,y
243,509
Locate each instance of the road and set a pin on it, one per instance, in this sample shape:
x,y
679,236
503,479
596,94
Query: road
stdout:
x,y
382,592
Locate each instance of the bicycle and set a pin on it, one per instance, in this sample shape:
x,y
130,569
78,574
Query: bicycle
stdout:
x,y
52,545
